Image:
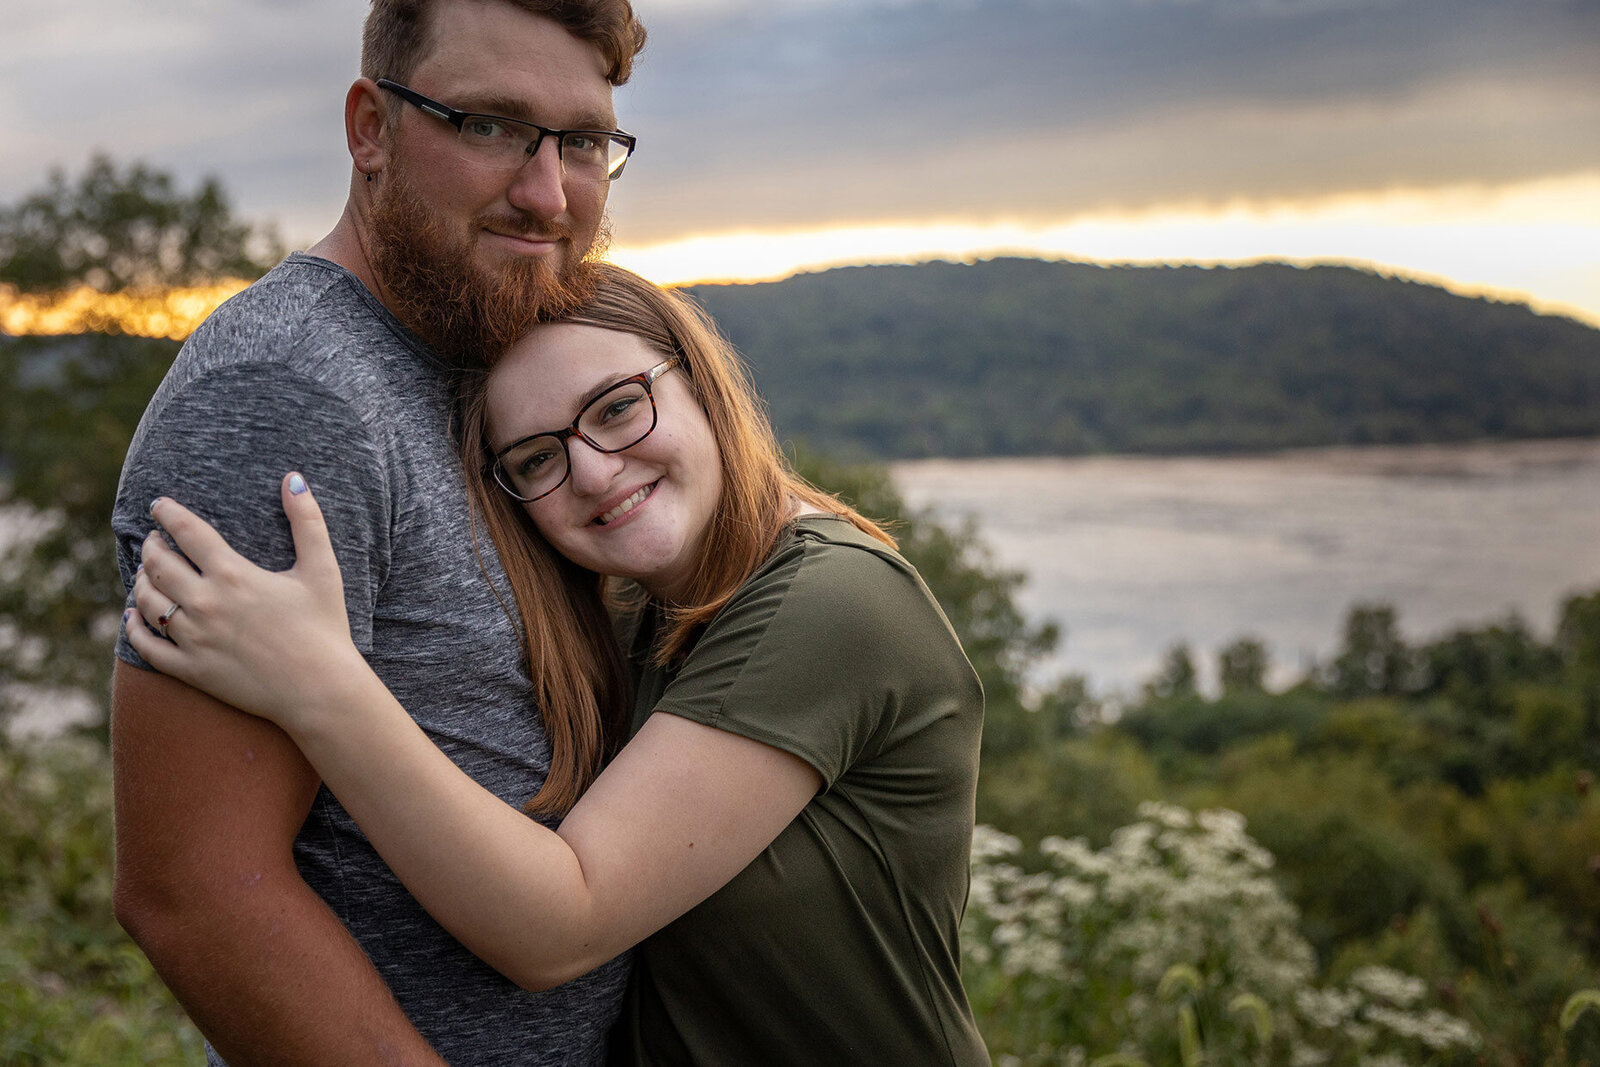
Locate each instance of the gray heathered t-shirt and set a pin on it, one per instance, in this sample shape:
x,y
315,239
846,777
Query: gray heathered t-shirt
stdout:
x,y
306,371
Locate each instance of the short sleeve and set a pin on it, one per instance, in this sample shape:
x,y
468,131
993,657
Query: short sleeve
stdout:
x,y
815,655
220,444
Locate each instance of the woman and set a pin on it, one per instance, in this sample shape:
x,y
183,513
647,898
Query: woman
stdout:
x,y
786,833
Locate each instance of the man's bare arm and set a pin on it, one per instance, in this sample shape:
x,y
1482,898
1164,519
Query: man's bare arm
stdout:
x,y
208,803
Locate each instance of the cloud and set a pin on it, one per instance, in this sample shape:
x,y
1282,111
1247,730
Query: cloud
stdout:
x,y
788,114
801,112
251,92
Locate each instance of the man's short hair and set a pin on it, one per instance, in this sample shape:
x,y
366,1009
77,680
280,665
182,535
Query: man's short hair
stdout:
x,y
397,33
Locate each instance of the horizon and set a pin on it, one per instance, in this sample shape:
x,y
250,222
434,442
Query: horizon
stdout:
x,y
1437,140
173,312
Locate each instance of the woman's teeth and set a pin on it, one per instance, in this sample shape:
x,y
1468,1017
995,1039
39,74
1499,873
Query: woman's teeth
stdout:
x,y
626,506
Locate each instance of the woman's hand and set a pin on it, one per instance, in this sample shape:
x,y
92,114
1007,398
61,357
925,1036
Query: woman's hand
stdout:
x,y
276,645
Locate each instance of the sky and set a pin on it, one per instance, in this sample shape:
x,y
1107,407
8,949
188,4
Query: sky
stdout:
x,y
1455,141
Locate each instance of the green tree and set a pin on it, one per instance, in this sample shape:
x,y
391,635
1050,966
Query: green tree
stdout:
x,y
1373,660
901,360
1578,634
70,404
118,228
1242,666
1578,644
1177,678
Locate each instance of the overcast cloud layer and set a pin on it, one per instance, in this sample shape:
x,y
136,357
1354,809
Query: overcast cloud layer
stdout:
x,y
813,112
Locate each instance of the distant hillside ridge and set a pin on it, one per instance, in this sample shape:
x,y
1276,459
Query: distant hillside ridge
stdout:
x,y
1031,357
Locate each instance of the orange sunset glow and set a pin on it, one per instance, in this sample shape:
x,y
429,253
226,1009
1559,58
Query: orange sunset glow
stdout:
x,y
1535,242
171,313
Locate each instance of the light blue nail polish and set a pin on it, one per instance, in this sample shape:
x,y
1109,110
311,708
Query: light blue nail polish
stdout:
x,y
297,484
126,615
153,504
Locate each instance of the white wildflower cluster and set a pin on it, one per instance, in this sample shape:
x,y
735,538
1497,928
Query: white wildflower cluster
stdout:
x,y
1387,984
1328,1009
1117,950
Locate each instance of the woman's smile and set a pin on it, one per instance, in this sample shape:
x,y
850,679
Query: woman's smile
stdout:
x,y
633,500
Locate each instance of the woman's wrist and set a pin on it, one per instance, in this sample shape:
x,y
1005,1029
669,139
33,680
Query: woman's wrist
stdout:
x,y
338,696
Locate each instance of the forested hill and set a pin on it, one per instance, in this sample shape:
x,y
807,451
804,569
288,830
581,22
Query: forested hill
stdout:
x,y
1026,357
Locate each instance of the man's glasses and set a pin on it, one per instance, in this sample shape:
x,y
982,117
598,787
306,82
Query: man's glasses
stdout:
x,y
616,420
506,144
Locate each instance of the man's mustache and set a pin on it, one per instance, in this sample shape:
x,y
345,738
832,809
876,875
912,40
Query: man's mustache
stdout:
x,y
525,226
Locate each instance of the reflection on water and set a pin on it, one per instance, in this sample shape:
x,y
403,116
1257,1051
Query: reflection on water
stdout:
x,y
1133,554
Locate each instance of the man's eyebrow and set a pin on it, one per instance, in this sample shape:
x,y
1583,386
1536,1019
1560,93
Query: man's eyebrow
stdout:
x,y
509,107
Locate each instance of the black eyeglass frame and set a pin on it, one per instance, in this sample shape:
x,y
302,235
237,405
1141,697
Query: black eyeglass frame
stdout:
x,y
647,379
458,119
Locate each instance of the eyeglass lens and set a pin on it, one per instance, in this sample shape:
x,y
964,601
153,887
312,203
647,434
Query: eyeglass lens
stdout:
x,y
616,420
500,143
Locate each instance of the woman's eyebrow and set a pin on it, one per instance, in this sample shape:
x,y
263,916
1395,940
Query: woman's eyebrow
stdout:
x,y
594,394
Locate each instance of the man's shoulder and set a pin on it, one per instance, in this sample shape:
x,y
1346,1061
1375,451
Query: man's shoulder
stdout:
x,y
307,316
293,373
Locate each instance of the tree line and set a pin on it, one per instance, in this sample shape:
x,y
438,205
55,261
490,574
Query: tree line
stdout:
x,y
1024,357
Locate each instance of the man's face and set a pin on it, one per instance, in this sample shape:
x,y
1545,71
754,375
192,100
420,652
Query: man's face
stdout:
x,y
470,253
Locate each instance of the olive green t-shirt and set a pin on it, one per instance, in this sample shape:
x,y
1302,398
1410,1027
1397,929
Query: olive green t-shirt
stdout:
x,y
838,944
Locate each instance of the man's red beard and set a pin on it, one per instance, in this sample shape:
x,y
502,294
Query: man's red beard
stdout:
x,y
467,313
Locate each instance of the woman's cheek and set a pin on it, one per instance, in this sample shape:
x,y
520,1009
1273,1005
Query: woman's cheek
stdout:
x,y
543,521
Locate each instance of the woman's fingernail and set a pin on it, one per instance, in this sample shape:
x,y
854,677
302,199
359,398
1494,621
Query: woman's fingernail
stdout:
x,y
153,504
297,484
126,615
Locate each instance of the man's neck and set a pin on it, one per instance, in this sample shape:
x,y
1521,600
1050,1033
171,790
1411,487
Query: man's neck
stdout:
x,y
349,245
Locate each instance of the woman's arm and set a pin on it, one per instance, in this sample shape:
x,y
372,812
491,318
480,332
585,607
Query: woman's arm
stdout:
x,y
682,809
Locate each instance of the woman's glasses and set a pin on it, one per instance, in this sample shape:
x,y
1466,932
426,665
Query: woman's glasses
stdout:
x,y
619,418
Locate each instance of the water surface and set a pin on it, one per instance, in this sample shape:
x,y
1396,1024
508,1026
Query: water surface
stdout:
x,y
1133,554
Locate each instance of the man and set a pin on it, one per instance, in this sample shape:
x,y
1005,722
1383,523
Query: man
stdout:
x,y
258,900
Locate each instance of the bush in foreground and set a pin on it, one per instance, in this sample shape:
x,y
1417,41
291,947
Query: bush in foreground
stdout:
x,y
1173,944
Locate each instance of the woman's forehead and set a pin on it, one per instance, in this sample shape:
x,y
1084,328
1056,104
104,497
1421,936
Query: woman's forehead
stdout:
x,y
544,377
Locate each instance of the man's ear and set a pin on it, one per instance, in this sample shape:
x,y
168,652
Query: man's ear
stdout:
x,y
365,116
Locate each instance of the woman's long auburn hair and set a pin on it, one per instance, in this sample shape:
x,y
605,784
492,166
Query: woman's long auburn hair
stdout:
x,y
577,667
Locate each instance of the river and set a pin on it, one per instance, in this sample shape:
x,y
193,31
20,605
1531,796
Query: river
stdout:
x,y
1133,554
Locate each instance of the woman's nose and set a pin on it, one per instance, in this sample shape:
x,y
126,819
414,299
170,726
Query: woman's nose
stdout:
x,y
591,470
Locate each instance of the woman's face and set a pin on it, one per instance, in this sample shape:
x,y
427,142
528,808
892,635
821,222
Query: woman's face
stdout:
x,y
642,513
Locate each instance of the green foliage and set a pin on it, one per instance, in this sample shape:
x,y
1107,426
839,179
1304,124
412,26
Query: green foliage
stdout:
x,y
1580,1025
1171,730
1177,678
69,413
1085,786
1021,357
69,406
1242,666
1173,944
73,988
1374,659
1429,806
117,228
1578,644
